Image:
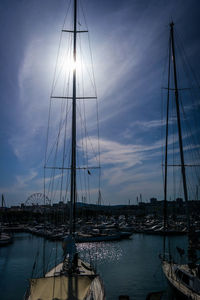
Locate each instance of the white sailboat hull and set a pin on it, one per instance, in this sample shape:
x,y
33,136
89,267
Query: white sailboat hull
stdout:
x,y
186,286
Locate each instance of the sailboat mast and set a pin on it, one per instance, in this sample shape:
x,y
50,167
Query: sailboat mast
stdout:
x,y
179,126
73,150
166,154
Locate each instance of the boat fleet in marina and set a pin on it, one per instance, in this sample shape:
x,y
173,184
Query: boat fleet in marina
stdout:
x,y
86,232
104,228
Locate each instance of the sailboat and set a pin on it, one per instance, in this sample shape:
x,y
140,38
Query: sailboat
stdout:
x,y
72,278
183,278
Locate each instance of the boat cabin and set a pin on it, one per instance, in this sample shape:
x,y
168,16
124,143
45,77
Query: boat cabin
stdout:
x,y
188,279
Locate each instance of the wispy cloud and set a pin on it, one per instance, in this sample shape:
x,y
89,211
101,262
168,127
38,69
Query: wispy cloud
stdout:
x,y
23,186
23,181
33,86
120,160
128,67
148,124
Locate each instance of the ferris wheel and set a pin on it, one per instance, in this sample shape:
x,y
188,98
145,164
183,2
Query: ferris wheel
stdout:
x,y
37,199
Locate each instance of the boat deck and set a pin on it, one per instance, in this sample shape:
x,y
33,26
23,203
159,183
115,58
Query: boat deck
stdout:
x,y
83,267
81,285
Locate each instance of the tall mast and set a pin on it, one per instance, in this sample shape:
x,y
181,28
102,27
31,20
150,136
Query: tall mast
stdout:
x,y
166,154
73,150
179,126
192,256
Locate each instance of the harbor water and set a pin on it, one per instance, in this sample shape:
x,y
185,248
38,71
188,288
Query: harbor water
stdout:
x,y
128,267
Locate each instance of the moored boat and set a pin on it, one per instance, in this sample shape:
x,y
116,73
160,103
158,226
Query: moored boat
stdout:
x,y
183,278
72,278
5,239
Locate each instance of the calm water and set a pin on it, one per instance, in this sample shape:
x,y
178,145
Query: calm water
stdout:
x,y
130,267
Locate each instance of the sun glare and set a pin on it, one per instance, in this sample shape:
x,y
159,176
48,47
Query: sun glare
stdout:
x,y
75,65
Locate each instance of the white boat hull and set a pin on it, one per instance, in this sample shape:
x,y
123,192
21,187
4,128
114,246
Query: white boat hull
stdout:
x,y
181,289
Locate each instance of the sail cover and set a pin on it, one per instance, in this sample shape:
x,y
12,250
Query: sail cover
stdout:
x,y
60,287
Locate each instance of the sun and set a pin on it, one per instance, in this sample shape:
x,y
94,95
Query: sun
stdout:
x,y
75,65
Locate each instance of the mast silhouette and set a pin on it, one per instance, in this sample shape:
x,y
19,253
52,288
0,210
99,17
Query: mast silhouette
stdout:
x,y
73,149
179,125
184,278
183,173
166,153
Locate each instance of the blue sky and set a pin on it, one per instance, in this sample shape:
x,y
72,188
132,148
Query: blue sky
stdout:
x,y
129,44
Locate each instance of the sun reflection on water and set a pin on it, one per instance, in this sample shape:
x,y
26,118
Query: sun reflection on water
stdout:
x,y
100,252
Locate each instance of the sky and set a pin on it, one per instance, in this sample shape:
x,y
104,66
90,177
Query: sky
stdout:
x,y
129,40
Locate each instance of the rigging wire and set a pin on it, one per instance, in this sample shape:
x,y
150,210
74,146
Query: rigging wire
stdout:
x,y
191,117
162,110
97,109
84,125
59,180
